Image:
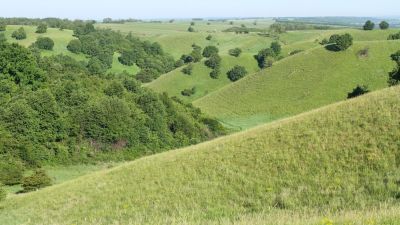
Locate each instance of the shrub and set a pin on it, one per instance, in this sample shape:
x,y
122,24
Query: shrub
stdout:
x,y
191,29
95,66
215,73
19,34
394,76
276,47
41,29
394,36
192,23
189,92
11,172
209,51
297,51
358,91
324,42
369,25
340,42
213,62
3,26
75,46
208,38
187,58
147,75
39,179
45,43
384,25
235,52
179,63
237,73
264,56
188,69
363,52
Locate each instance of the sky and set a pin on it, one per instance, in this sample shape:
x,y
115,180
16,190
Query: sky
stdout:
x,y
159,9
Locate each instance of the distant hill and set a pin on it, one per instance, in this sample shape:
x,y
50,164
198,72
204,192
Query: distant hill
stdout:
x,y
342,158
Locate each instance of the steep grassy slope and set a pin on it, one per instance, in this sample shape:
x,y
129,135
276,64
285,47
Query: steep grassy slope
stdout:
x,y
299,83
176,81
345,156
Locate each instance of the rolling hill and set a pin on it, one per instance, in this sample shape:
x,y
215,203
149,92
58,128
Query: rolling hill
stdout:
x,y
335,165
305,81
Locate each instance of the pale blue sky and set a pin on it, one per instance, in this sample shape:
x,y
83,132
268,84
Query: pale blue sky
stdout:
x,y
149,9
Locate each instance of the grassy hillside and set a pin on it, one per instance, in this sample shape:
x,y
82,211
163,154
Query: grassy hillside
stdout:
x,y
342,160
300,83
176,81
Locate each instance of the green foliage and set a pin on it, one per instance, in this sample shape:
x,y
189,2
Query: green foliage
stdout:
x,y
189,92
394,76
196,54
237,73
369,25
235,52
19,34
95,66
384,25
11,171
358,91
188,69
179,63
395,36
340,42
3,26
209,37
209,51
114,89
214,74
191,29
39,179
45,43
276,47
42,28
214,61
3,192
324,41
265,58
75,46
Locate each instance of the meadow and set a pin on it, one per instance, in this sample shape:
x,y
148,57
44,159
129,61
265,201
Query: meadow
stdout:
x,y
334,165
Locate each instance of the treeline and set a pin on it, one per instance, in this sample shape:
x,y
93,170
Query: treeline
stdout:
x,y
120,21
283,26
55,110
51,22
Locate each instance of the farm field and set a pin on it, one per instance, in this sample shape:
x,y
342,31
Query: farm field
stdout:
x,y
250,177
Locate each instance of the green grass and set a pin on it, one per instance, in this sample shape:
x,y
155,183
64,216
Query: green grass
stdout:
x,y
297,84
339,162
176,81
117,67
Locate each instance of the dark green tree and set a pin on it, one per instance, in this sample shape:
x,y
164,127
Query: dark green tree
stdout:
x,y
237,73
384,25
394,76
45,43
95,66
276,47
209,51
235,52
209,37
188,69
19,34
191,29
358,91
41,29
75,46
369,25
214,61
340,42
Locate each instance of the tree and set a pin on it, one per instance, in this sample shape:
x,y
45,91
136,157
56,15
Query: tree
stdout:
x,y
209,51
45,43
19,34
41,29
188,69
192,23
369,25
394,76
214,61
95,66
235,52
237,73
276,47
264,56
11,172
75,46
209,37
3,26
114,89
340,42
196,54
189,92
358,91
215,73
191,29
39,179
384,25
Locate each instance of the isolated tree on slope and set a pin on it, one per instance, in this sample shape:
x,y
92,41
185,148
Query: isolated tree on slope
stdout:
x,y
384,25
369,25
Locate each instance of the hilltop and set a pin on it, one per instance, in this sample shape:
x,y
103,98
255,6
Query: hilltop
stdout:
x,y
338,159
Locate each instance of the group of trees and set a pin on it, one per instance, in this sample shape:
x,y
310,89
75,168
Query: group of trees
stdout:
x,y
213,60
338,42
19,34
369,25
266,57
77,116
395,36
237,73
394,76
50,22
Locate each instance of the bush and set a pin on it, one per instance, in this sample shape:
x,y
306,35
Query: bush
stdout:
x,y
39,179
189,92
358,91
188,69
394,36
394,76
235,52
369,25
213,62
297,51
3,26
191,29
179,63
276,47
340,42
41,29
208,38
19,34
45,43
209,51
384,25
11,172
237,73
75,46
324,42
215,73
265,57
